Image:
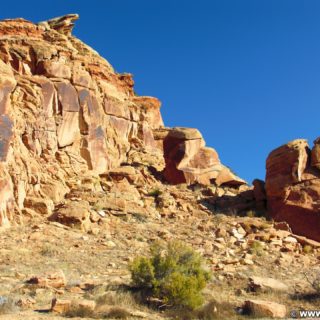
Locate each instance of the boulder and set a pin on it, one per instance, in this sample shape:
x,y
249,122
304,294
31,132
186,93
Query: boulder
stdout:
x,y
74,214
49,280
121,173
260,308
189,161
266,284
40,205
62,306
26,303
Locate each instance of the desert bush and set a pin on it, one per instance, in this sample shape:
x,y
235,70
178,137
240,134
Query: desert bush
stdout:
x,y
256,248
307,249
49,250
155,193
174,274
251,214
256,214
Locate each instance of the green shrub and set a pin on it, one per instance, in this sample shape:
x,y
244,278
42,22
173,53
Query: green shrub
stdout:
x,y
251,214
256,248
174,275
307,249
256,214
155,193
142,273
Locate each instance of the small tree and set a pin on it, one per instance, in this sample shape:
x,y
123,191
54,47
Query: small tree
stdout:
x,y
173,274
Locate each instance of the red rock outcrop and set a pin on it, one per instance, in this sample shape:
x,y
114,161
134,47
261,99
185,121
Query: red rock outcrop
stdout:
x,y
64,113
293,187
189,160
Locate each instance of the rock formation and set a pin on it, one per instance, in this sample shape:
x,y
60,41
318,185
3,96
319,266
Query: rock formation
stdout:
x,y
293,186
66,116
187,159
81,153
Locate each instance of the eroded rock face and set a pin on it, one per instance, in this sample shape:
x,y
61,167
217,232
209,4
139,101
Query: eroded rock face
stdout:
x,y
189,160
65,113
293,187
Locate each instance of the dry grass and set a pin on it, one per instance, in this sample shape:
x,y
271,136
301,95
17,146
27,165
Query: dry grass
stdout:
x,y
115,313
86,261
80,312
116,304
49,250
116,298
213,310
7,305
110,305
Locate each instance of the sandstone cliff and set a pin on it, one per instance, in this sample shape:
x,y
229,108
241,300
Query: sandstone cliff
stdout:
x,y
95,177
66,118
293,186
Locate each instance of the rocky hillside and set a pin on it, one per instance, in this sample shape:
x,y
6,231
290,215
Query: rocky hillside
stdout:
x,y
67,117
91,177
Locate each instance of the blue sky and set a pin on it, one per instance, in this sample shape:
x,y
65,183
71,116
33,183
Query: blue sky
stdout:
x,y
245,73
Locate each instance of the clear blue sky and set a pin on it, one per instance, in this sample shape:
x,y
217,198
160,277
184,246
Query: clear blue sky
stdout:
x,y
246,73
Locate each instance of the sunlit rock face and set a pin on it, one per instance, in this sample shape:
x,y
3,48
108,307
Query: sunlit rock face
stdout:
x,y
293,186
65,113
189,161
